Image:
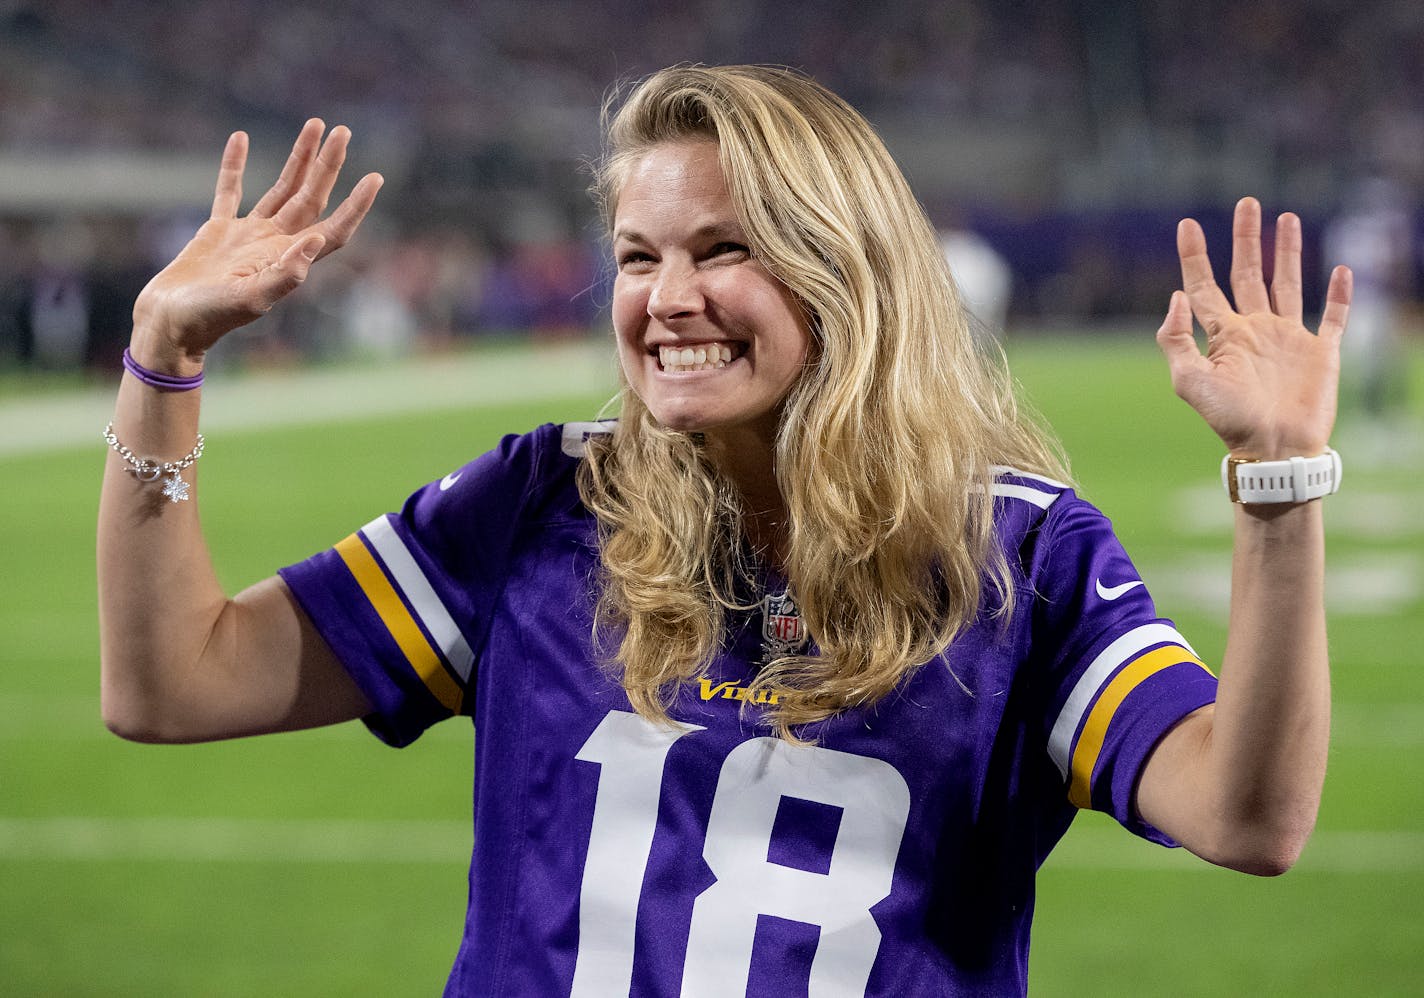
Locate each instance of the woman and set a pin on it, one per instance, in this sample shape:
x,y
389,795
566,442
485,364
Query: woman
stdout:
x,y
791,678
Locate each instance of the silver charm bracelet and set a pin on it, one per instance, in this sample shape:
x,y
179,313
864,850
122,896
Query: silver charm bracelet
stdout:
x,y
148,470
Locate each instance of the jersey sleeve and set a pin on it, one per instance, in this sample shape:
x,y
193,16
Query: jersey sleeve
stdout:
x,y
405,602
1120,676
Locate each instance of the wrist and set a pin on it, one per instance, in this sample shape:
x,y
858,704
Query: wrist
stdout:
x,y
1276,447
1277,452
152,349
1297,478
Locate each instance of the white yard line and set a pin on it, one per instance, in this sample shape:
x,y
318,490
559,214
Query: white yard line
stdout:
x,y
1357,512
1356,585
303,397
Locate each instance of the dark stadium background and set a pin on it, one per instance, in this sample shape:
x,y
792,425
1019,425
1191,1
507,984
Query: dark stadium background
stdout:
x,y
1071,135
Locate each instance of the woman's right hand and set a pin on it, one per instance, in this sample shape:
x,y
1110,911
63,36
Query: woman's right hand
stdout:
x,y
236,268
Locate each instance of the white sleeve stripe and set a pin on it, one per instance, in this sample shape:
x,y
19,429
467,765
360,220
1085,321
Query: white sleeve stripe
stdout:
x,y
1004,469
1040,499
428,607
1135,641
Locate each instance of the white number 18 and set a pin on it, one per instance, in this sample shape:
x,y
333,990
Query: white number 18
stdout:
x,y
874,801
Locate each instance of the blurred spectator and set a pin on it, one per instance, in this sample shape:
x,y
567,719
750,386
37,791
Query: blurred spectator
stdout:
x,y
1373,234
982,276
59,295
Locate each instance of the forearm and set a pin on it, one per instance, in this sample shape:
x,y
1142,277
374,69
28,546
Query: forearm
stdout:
x,y
1271,725
179,660
1238,783
159,598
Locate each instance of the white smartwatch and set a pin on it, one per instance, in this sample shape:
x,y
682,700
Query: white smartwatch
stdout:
x,y
1296,479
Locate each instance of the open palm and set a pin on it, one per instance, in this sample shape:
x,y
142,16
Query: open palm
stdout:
x,y
1266,384
236,268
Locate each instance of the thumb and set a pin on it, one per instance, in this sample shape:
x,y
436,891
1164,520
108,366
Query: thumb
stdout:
x,y
310,247
298,258
290,270
1174,336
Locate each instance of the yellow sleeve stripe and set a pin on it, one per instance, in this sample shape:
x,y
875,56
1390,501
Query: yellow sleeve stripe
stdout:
x,y
412,642
1095,729
1124,648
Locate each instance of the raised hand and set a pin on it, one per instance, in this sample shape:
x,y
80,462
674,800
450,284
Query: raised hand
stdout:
x,y
236,268
1266,384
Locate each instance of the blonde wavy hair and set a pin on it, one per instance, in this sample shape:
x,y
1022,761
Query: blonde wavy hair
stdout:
x,y
886,444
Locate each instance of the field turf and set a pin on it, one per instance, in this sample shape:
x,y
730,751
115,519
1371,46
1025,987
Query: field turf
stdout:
x,y
323,863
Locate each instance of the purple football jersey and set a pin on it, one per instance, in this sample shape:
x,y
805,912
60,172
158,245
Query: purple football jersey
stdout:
x,y
895,856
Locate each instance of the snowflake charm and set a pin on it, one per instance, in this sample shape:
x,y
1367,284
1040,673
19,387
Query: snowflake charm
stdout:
x,y
176,489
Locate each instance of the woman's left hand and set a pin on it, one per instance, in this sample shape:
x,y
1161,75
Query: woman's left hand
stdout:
x,y
1266,384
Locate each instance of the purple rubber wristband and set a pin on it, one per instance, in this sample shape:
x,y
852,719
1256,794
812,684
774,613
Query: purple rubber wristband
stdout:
x,y
163,382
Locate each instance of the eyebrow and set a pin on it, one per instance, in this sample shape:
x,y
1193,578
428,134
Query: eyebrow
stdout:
x,y
716,230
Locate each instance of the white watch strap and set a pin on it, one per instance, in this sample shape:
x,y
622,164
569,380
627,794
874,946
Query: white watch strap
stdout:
x,y
1296,479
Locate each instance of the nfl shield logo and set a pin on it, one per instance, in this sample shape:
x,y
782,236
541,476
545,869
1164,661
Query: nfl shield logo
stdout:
x,y
782,630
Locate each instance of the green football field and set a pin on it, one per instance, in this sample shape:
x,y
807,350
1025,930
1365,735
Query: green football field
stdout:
x,y
324,863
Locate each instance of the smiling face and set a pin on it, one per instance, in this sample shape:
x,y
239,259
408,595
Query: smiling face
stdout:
x,y
708,338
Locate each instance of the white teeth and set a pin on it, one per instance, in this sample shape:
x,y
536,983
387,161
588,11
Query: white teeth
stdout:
x,y
708,357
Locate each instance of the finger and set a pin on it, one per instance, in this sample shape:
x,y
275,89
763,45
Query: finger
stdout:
x,y
1285,282
288,273
348,216
1337,303
228,196
307,204
293,171
1207,301
1248,276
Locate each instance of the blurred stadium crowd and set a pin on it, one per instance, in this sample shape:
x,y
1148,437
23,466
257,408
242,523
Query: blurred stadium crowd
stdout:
x,y
1069,135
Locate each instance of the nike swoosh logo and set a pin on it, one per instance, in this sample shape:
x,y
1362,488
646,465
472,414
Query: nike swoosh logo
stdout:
x,y
449,480
1111,593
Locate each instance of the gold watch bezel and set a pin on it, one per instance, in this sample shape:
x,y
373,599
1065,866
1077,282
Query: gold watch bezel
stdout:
x,y
1232,489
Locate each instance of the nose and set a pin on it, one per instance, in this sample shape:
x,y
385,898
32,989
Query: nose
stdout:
x,y
676,293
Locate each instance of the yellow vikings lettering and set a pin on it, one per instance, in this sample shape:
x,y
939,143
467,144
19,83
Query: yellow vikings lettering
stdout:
x,y
731,691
